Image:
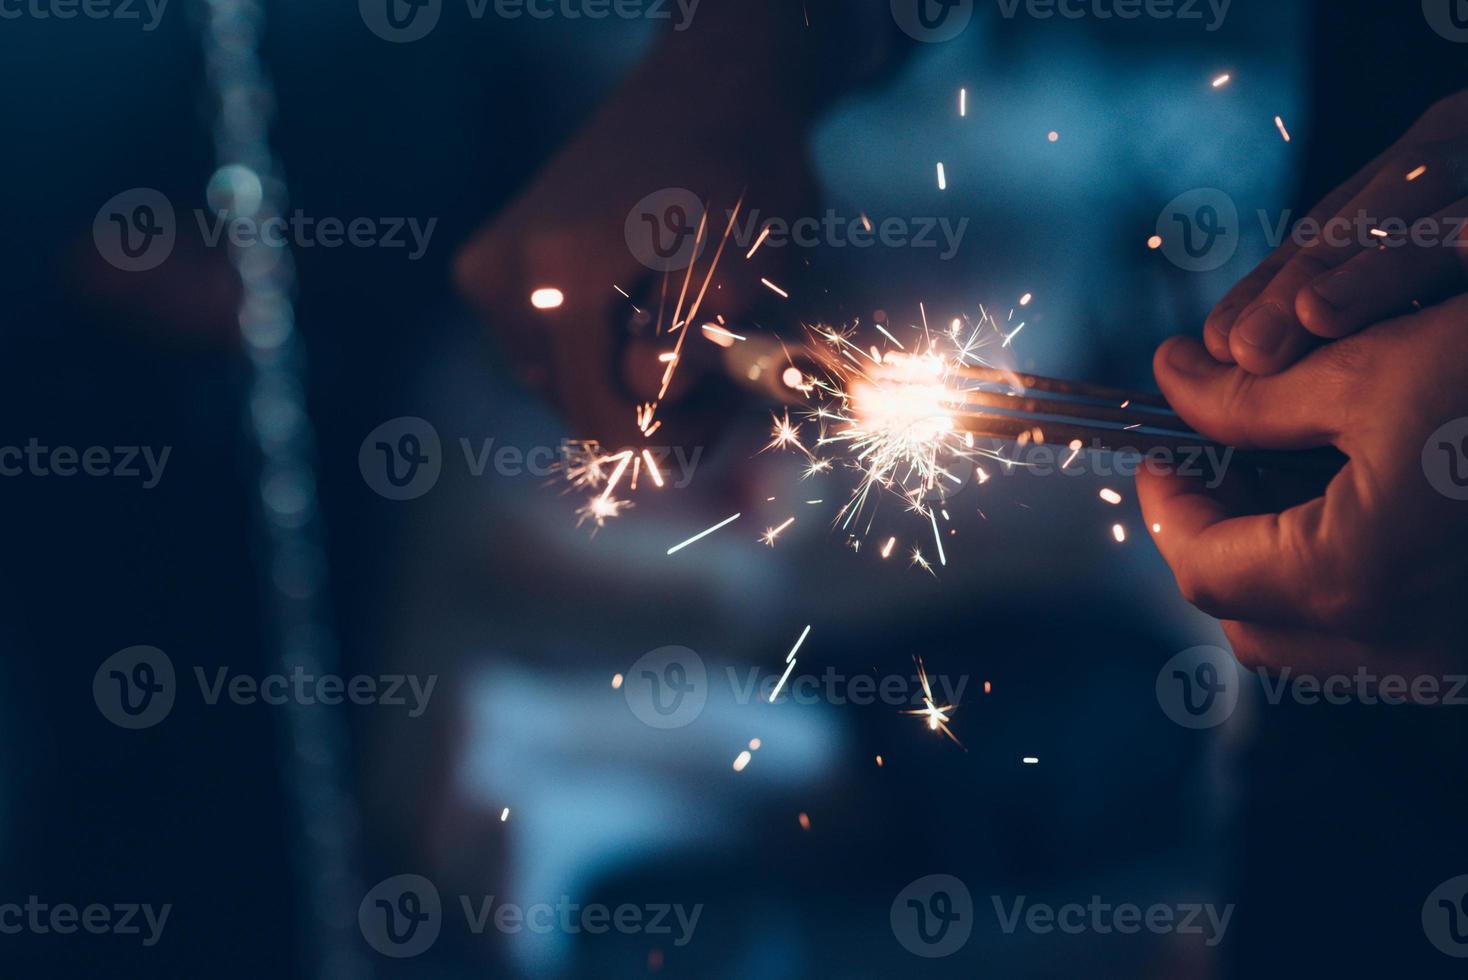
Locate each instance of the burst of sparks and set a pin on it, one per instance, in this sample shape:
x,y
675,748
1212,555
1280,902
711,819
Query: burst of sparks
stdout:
x,y
601,509
784,435
890,415
937,716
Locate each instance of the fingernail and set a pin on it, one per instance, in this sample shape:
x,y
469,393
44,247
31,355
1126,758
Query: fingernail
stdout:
x,y
1264,329
1182,357
1336,290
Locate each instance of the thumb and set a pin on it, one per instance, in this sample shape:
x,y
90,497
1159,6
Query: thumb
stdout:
x,y
1298,408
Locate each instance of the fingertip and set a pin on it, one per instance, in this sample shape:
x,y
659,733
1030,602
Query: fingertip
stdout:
x,y
1269,341
1318,316
1216,343
1182,359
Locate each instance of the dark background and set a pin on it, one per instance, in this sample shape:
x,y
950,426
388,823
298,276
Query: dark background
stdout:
x,y
1326,827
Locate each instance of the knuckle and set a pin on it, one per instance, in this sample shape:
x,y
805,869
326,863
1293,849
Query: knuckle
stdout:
x,y
1238,405
1353,593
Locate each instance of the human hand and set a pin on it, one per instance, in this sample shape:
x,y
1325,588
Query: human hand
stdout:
x,y
1373,571
673,125
1334,276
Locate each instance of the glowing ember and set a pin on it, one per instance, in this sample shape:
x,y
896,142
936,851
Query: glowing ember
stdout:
x,y
772,533
1118,532
936,715
1279,124
741,760
547,298
1110,496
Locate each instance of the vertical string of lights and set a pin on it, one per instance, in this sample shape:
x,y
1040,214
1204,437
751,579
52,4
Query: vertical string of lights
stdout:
x,y
248,183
